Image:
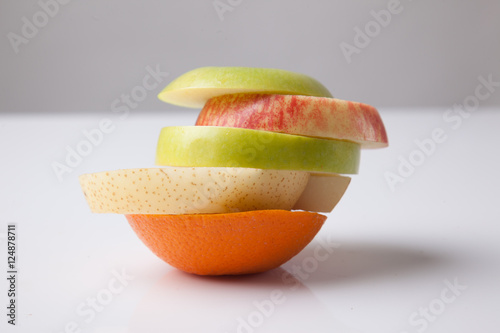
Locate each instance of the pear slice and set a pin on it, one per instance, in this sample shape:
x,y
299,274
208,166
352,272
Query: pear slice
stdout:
x,y
177,190
213,146
322,193
195,87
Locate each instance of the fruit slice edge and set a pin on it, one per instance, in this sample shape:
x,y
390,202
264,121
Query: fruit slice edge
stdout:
x,y
321,117
322,193
213,146
178,190
195,87
227,244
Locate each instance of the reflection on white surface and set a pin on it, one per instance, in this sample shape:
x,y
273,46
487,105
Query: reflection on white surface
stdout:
x,y
365,263
422,258
276,301
264,302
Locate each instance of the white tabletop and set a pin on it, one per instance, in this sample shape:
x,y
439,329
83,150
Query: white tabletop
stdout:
x,y
422,256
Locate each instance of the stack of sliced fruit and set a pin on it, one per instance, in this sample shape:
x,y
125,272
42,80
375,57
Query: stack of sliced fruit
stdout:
x,y
240,192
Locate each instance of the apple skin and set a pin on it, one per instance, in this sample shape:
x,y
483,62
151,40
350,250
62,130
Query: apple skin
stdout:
x,y
195,87
213,146
329,118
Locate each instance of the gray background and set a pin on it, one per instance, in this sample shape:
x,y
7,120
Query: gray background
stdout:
x,y
91,52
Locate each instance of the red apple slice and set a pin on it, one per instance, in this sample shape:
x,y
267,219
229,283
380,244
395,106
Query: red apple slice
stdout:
x,y
322,117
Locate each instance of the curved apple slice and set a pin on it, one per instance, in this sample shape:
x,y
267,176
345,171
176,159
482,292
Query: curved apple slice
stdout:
x,y
195,87
192,190
322,193
329,118
212,146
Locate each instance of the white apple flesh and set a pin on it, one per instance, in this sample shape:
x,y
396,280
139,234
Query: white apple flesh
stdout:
x,y
322,193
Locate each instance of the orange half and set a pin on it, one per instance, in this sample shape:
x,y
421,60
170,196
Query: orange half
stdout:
x,y
227,244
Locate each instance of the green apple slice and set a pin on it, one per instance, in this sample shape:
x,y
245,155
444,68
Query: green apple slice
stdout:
x,y
301,115
212,146
192,190
195,87
322,193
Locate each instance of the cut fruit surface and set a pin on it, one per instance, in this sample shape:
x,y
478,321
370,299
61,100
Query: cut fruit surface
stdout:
x,y
178,190
211,146
227,244
195,87
322,193
300,115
